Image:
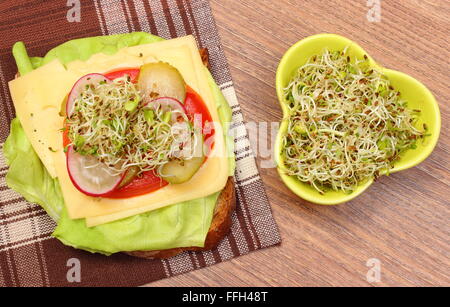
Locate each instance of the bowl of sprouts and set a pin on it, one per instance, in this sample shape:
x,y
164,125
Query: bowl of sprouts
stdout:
x,y
347,120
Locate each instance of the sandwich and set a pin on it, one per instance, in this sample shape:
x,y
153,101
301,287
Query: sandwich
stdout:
x,y
124,141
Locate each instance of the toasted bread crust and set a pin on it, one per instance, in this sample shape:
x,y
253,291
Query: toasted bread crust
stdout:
x,y
220,226
204,54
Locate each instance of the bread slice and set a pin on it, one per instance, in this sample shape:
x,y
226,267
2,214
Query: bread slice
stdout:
x,y
220,226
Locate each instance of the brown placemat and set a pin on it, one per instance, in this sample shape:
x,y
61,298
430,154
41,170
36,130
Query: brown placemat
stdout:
x,y
29,256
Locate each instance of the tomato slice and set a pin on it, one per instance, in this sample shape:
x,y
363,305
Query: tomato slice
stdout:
x,y
149,181
146,183
132,72
195,105
65,134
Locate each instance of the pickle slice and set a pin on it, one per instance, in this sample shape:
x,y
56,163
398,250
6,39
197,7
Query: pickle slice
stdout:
x,y
161,80
182,170
130,174
62,111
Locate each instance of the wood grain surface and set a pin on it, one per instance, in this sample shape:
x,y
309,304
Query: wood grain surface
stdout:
x,y
402,220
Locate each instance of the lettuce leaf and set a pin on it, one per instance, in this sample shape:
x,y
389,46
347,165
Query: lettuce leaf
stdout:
x,y
179,225
35,184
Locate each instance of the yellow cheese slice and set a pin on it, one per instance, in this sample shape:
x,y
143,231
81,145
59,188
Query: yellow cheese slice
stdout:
x,y
37,98
183,54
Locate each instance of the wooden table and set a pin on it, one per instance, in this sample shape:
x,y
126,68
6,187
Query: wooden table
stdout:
x,y
402,220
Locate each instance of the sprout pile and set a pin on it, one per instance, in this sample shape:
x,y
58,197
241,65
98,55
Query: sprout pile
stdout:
x,y
111,122
346,123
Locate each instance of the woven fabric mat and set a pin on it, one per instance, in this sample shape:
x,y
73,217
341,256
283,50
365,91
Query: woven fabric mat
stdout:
x,y
29,256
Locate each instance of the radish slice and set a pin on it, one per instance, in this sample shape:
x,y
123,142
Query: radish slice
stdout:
x,y
79,86
167,104
90,176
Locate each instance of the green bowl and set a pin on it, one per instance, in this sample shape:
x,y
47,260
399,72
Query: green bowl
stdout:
x,y
417,95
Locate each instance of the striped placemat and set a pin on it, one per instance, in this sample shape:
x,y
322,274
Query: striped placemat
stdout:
x,y
29,256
